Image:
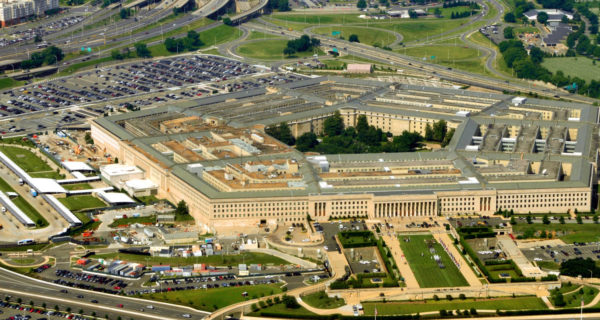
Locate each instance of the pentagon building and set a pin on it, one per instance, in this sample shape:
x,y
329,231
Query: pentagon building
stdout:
x,y
507,152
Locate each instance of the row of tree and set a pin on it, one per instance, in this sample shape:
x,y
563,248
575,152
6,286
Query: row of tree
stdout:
x,y
49,56
460,15
453,4
280,5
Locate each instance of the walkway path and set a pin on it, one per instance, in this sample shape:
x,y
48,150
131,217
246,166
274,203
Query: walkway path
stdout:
x,y
394,245
464,268
288,257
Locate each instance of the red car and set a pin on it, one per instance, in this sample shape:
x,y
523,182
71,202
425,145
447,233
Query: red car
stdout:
x,y
120,305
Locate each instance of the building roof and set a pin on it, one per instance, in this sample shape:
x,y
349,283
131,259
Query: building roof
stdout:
x,y
119,169
45,185
141,184
114,198
76,166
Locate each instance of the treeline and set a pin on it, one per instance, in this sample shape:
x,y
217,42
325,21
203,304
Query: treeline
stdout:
x,y
280,5
439,132
302,44
460,15
557,4
453,4
584,10
48,56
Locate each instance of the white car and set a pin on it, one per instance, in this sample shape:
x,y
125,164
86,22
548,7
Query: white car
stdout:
x,y
187,315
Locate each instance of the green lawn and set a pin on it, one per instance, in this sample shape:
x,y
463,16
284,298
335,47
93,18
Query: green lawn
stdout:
x,y
259,35
46,174
25,159
425,268
281,309
31,212
420,30
76,203
390,308
269,50
9,83
25,261
353,239
573,299
581,67
322,301
367,36
568,232
132,220
215,260
213,299
550,265
77,186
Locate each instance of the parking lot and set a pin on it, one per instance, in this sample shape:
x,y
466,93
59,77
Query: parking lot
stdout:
x,y
331,229
562,253
18,36
139,84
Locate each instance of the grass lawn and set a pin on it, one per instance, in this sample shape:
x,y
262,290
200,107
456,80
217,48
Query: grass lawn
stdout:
x,y
216,260
46,174
213,299
24,261
420,30
76,203
499,64
77,186
528,29
573,299
425,268
322,301
9,83
367,36
270,50
581,67
550,265
430,305
132,220
281,309
77,66
568,232
259,35
25,159
351,239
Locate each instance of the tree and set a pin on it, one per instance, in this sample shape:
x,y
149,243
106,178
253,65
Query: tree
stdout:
x,y
38,38
333,125
440,128
542,17
595,218
361,4
362,125
124,13
285,134
290,302
510,17
412,14
564,19
537,55
513,221
561,220
529,220
353,38
579,267
545,219
288,51
115,54
428,133
182,208
579,220
227,21
437,12
142,50
448,137
306,141
559,300
509,33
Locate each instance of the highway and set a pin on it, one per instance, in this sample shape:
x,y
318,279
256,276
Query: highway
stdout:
x,y
12,283
410,63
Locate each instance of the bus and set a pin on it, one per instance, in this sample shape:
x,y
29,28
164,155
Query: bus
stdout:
x,y
25,242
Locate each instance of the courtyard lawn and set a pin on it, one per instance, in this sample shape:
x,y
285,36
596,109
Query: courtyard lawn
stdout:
x,y
568,232
215,260
270,50
132,220
25,159
76,203
390,308
77,186
365,35
213,299
581,67
423,265
322,301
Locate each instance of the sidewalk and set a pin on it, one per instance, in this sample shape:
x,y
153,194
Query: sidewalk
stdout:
x,y
464,268
405,271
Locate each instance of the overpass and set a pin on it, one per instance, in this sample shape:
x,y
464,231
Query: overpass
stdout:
x,y
252,13
212,9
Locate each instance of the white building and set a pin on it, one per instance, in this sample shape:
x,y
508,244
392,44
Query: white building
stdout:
x,y
554,15
118,174
12,11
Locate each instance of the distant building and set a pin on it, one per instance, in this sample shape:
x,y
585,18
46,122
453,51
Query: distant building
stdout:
x,y
554,15
13,11
359,68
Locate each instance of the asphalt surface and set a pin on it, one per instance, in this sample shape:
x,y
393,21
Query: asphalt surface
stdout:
x,y
12,283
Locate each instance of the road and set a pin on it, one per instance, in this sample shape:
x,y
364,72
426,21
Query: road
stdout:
x,y
14,283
